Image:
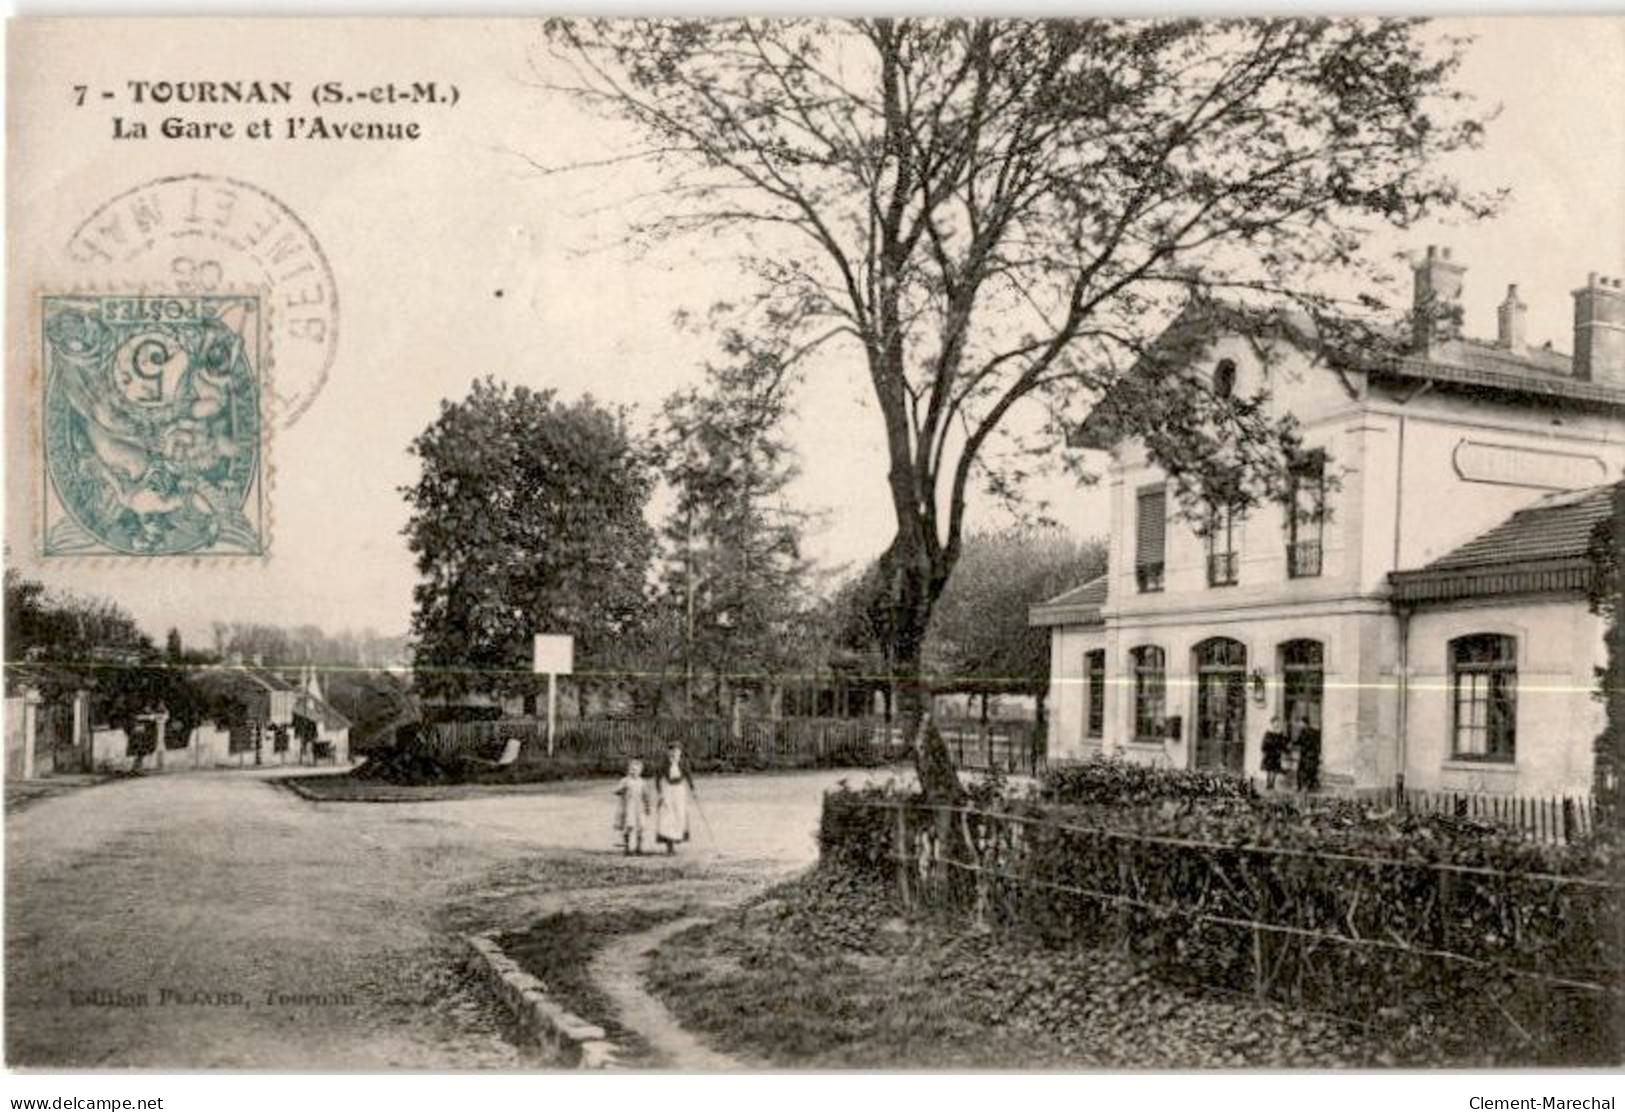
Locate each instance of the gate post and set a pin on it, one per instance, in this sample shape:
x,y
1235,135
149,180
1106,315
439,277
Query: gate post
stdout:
x,y
31,705
82,747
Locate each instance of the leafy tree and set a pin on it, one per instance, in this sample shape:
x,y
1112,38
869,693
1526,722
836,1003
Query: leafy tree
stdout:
x,y
998,218
980,641
93,644
80,638
129,694
376,703
527,518
735,575
1607,595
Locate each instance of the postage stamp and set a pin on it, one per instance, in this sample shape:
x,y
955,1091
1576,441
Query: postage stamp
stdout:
x,y
153,426
206,234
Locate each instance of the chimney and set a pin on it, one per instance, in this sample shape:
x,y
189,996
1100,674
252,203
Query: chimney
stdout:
x,y
1510,321
1436,306
1599,331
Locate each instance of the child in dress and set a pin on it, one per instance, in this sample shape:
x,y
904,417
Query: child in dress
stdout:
x,y
633,806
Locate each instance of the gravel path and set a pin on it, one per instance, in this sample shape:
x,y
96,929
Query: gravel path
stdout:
x,y
208,920
619,968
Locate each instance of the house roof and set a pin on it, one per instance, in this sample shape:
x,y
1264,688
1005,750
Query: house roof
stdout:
x,y
1465,363
255,683
1542,548
1079,606
311,707
1482,365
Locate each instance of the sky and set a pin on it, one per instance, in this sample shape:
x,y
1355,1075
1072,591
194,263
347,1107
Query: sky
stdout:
x,y
454,259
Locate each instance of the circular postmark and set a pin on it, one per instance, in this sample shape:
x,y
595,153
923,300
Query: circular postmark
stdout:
x,y
202,234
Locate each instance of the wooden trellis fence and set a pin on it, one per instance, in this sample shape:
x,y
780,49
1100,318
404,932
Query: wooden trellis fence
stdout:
x,y
1538,955
606,744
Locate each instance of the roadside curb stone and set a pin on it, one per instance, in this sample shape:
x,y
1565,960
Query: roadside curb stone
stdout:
x,y
542,1020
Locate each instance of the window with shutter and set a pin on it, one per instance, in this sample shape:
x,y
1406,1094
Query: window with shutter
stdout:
x,y
1150,538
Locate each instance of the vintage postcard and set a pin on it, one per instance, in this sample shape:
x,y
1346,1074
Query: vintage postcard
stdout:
x,y
732,544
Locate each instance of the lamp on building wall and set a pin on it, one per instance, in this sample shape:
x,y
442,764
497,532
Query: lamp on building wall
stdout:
x,y
1256,681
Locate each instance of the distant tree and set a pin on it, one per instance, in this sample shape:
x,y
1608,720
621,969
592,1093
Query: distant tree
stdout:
x,y
80,637
26,614
998,218
980,641
174,651
528,517
277,646
734,574
130,695
376,703
858,623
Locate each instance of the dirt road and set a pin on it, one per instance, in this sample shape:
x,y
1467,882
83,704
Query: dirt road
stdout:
x,y
216,920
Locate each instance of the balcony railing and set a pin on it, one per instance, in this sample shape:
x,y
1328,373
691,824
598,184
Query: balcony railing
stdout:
x,y
1148,577
1221,569
1303,559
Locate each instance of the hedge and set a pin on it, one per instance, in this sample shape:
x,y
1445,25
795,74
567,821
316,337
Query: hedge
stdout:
x,y
1436,930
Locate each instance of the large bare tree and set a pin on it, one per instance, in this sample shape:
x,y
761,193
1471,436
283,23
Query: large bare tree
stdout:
x,y
1000,218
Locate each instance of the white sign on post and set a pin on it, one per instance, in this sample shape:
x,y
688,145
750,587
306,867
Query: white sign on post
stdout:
x,y
555,656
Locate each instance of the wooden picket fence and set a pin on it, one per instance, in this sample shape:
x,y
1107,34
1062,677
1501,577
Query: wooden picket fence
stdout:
x,y
1014,748
1558,820
605,744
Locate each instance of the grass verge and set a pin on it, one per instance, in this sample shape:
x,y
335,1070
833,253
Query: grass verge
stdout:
x,y
559,949
822,974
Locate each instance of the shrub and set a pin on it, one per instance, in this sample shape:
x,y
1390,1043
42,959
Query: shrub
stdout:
x,y
1121,783
859,838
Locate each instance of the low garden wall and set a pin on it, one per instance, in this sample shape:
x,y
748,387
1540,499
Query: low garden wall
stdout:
x,y
1423,926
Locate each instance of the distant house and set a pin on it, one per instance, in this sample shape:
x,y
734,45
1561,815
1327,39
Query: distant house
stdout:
x,y
261,718
1426,610
267,719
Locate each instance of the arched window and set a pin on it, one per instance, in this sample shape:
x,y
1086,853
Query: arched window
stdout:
x,y
1150,691
1484,693
1303,680
1221,704
1224,378
1220,653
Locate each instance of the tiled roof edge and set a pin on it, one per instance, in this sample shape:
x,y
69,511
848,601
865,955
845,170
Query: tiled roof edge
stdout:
x,y
1544,385
1045,614
1563,576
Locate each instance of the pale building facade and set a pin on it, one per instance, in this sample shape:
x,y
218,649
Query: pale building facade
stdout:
x,y
1373,606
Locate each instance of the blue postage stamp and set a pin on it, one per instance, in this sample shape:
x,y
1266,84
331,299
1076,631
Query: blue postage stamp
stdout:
x,y
152,425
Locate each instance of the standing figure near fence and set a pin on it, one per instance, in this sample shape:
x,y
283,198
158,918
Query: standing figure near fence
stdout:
x,y
1306,741
674,785
1275,747
633,806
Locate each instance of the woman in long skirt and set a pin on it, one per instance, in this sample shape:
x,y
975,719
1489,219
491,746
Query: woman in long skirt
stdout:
x,y
675,785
